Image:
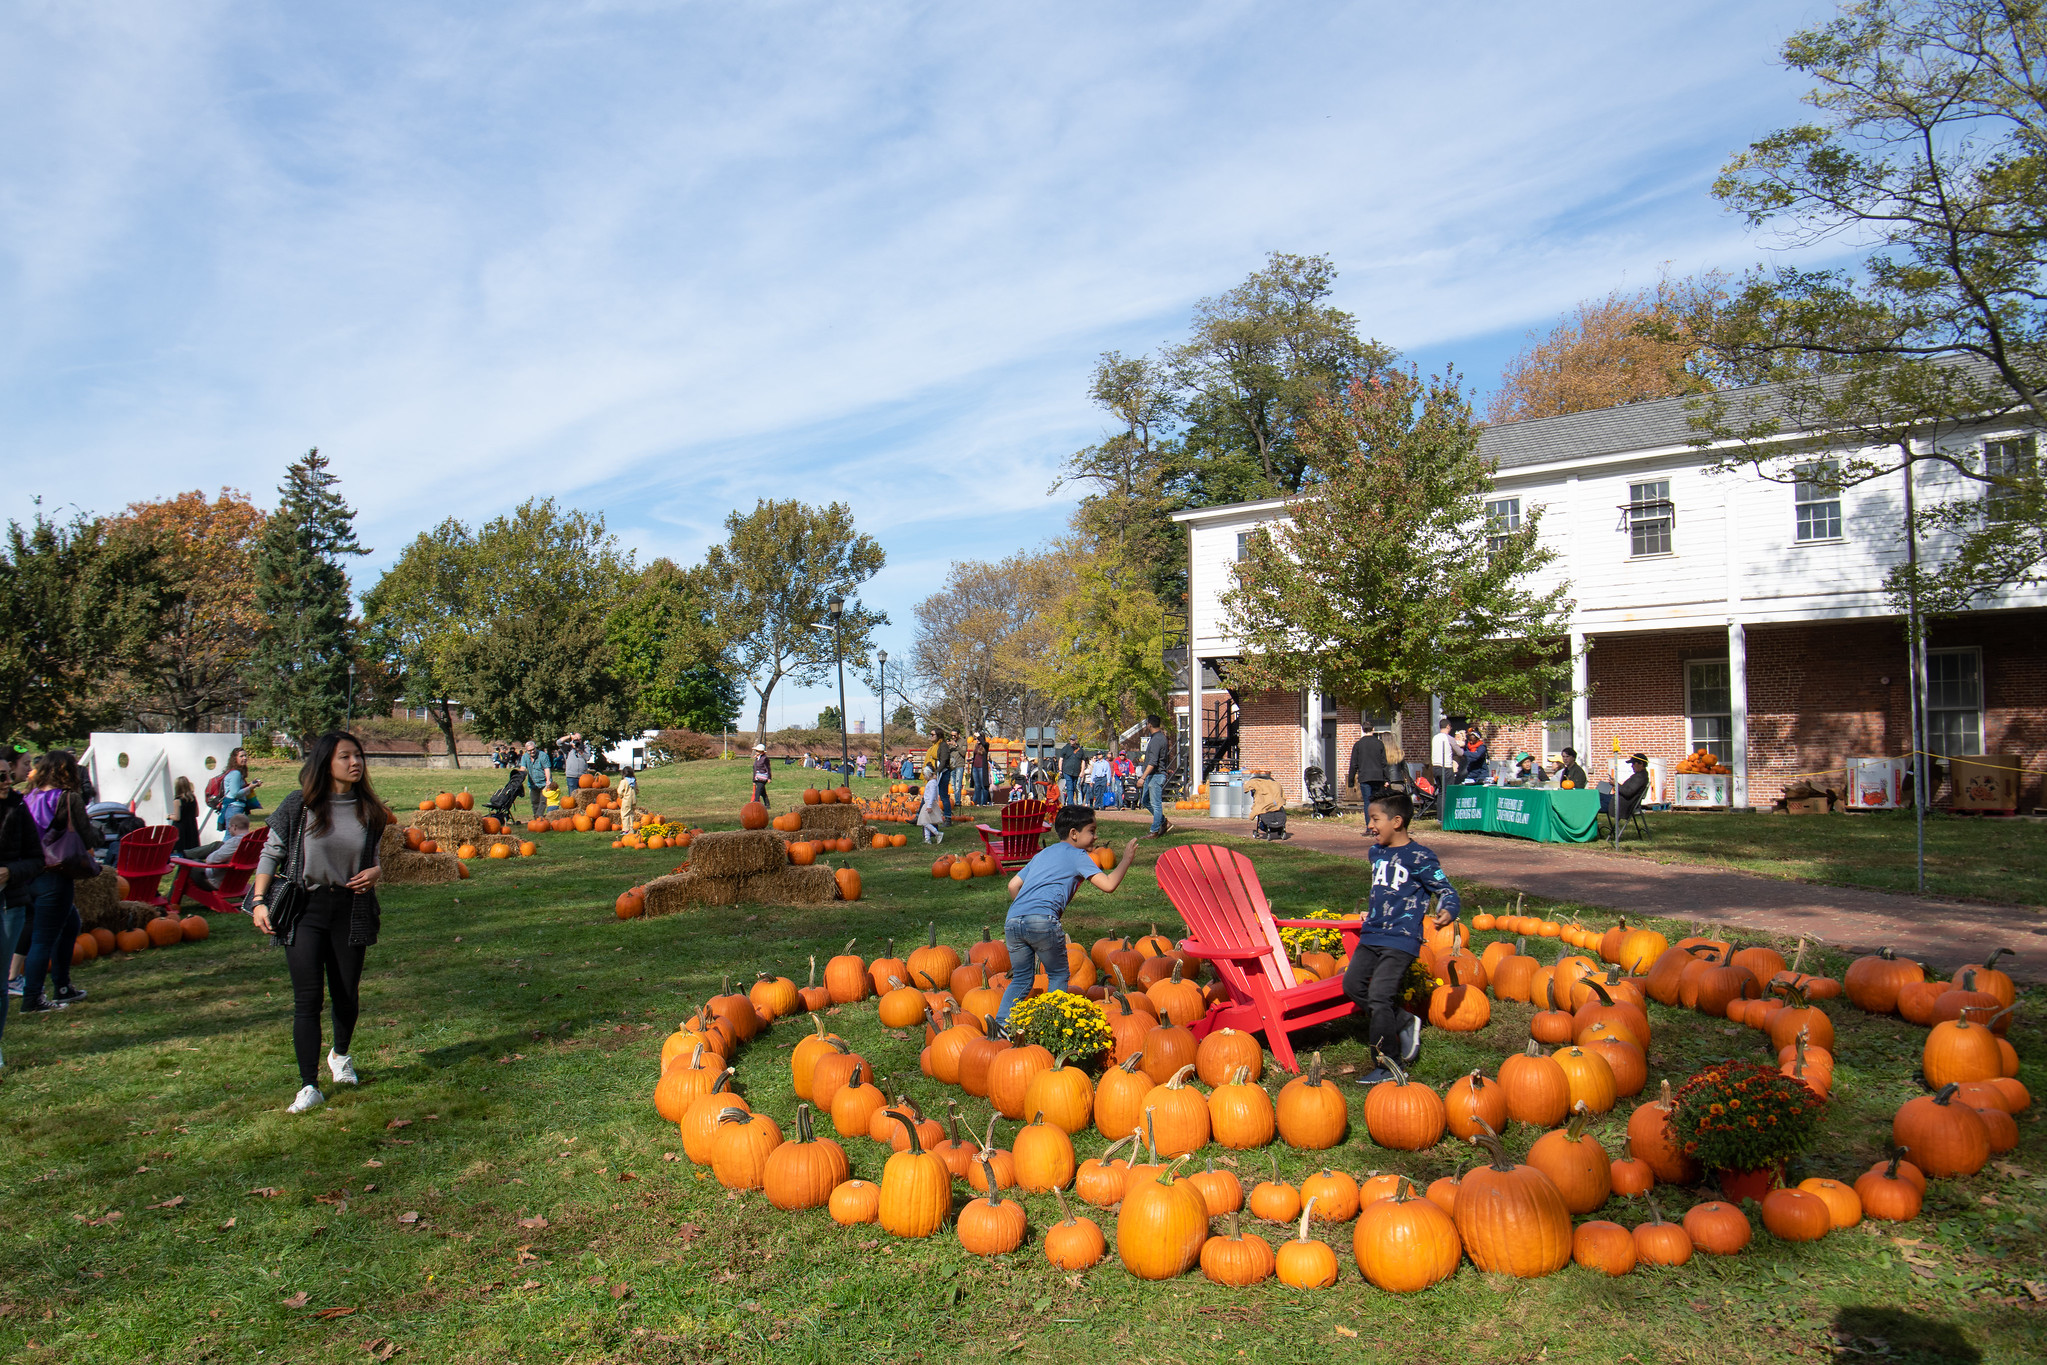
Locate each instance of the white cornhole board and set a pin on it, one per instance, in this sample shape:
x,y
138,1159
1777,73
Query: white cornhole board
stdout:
x,y
141,770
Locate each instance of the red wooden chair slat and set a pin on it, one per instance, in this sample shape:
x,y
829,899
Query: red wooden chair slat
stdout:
x,y
234,876
1023,831
1216,891
144,857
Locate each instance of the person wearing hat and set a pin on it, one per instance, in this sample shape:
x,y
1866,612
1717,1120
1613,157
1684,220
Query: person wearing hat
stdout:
x,y
1632,788
1574,772
1526,773
761,773
1472,768
1367,771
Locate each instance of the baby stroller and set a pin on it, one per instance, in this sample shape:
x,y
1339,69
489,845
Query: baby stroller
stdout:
x,y
1427,800
1268,809
502,800
1321,800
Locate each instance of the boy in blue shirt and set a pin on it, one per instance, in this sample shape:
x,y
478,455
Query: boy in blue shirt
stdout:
x,y
1038,896
1404,876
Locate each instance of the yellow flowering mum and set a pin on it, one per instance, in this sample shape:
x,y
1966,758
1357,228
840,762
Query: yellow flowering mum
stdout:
x,y
1061,1022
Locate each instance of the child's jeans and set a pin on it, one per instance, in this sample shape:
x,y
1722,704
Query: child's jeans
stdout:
x,y
1372,983
1033,941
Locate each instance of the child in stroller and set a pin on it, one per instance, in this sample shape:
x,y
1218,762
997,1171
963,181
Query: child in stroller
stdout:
x,y
1321,800
505,797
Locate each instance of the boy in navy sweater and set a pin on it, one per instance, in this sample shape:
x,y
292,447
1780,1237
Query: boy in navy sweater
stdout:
x,y
1404,876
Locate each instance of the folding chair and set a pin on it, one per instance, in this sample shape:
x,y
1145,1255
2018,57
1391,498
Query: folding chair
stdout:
x,y
1631,814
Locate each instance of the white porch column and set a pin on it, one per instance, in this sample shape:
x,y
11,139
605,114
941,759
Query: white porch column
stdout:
x,y
1581,697
1311,732
1197,724
1435,714
1737,700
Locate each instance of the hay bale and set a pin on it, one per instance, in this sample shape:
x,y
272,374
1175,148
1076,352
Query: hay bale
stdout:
x,y
405,868
450,828
834,820
688,889
95,898
737,853
790,886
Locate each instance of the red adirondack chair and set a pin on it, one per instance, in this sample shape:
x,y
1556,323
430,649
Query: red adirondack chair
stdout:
x,y
234,876
1216,891
1023,831
144,857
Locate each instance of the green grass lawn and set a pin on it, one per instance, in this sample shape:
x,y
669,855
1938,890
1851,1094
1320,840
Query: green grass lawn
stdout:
x,y
500,1189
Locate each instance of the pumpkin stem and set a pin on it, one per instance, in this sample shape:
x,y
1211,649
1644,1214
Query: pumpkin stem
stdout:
x,y
988,1143
1151,1134
847,951
1991,961
813,970
1896,1155
916,1143
952,1124
1399,1076
1946,1093
1664,1101
1176,971
1242,1076
1574,1131
1605,996
932,926
1065,1212
1236,1229
1130,1062
803,1129
1306,1211
1273,1156
1534,1049
984,935
1178,1080
1485,1137
988,1170
1104,1157
1315,1069
696,1059
1655,1214
724,1080
733,1114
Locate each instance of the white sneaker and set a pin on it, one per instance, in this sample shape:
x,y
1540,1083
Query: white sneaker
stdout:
x,y
309,1098
342,1067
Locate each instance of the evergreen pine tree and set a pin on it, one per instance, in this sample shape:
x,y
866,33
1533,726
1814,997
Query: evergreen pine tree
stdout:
x,y
302,656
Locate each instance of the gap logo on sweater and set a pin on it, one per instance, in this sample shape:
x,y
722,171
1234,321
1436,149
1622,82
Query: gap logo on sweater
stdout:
x,y
1403,880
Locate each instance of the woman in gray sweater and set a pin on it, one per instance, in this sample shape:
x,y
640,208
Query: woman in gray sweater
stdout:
x,y
323,845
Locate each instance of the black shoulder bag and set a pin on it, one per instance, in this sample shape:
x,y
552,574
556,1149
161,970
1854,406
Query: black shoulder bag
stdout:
x,y
287,895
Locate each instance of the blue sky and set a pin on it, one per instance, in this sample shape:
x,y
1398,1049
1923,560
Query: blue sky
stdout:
x,y
663,259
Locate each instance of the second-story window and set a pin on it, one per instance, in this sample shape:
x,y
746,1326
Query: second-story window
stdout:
x,y
2011,459
1650,513
1816,497
1503,518
1244,545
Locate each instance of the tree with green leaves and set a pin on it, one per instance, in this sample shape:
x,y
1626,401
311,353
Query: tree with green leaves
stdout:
x,y
1931,145
81,605
1104,657
666,648
778,568
828,719
1385,583
418,616
1261,359
302,654
1131,472
530,676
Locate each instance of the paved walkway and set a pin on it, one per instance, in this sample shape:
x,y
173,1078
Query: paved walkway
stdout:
x,y
1937,932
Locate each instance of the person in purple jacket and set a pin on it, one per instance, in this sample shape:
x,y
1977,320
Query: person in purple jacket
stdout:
x,y
1405,876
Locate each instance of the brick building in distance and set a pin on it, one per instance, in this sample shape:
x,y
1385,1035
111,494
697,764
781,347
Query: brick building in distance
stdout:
x,y
1717,610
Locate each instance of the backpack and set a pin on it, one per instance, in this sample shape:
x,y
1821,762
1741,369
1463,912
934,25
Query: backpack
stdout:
x,y
216,790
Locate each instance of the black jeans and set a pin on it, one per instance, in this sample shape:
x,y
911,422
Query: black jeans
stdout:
x,y
1372,983
320,953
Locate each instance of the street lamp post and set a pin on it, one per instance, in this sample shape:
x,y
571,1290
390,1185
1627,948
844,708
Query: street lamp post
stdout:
x,y
881,726
837,606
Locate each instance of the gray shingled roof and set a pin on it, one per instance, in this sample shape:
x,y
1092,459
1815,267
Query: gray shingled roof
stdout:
x,y
1653,425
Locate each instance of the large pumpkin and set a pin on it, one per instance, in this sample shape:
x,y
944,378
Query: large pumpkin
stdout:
x,y
1945,1138
916,1188
753,815
1312,1113
1160,1228
1512,1218
1651,1141
1404,1244
1403,1114
163,931
193,927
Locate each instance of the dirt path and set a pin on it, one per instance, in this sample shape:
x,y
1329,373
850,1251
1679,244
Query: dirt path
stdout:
x,y
1937,932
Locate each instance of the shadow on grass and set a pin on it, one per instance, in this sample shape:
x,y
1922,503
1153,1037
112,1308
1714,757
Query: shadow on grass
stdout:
x,y
1866,1332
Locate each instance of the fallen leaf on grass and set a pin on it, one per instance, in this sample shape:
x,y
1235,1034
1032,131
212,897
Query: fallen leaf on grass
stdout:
x,y
228,1224
624,1176
1346,1331
297,1300
533,1222
267,1192
530,1284
370,1188
373,1162
409,1216
687,1233
333,1312
619,1291
669,1156
170,1203
381,1348
398,1123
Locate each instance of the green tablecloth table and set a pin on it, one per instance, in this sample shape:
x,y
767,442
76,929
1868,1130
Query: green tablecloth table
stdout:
x,y
1548,815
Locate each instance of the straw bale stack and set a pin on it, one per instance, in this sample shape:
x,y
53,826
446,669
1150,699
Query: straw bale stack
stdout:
x,y
737,853
688,889
403,867
98,907
449,828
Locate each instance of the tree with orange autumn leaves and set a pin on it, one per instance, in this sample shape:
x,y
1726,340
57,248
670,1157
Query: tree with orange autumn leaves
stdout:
x,y
198,664
1629,347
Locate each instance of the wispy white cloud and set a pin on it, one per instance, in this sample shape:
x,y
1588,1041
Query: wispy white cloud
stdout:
x,y
664,259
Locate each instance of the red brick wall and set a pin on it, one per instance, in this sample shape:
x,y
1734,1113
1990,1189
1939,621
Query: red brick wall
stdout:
x,y
1816,697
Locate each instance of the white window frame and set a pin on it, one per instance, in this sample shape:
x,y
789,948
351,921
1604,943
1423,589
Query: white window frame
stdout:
x,y
1647,510
1936,740
1503,518
1244,545
2012,456
1722,745
1810,501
